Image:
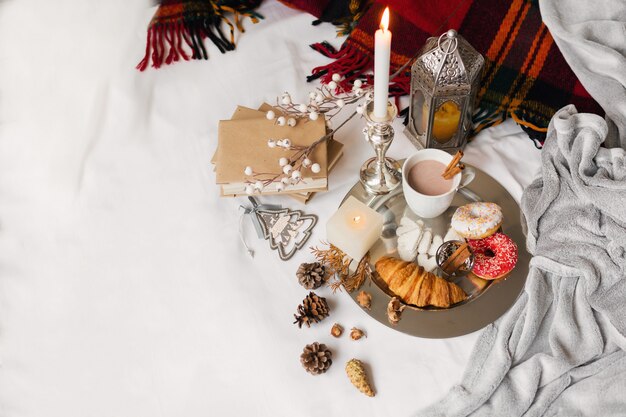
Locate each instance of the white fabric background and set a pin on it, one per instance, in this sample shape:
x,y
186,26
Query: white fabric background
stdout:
x,y
124,289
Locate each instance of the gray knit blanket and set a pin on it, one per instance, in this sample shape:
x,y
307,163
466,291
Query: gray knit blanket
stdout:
x,y
561,349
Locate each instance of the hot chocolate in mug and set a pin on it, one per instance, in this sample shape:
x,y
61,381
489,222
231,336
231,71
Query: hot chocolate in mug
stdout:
x,y
425,190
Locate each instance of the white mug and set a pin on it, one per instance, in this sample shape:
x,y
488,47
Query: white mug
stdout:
x,y
429,206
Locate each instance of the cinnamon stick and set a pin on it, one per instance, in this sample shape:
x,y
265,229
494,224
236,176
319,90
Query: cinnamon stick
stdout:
x,y
457,259
460,259
450,174
447,262
455,160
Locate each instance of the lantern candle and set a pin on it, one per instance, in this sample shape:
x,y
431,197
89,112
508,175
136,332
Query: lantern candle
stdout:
x,y
382,55
443,97
354,228
445,121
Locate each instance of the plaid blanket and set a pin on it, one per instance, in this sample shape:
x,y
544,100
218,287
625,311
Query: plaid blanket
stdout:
x,y
189,22
525,75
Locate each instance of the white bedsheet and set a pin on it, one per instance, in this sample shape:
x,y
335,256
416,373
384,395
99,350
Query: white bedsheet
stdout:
x,y
124,289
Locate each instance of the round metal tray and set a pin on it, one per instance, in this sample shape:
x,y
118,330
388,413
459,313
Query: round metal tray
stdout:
x,y
482,306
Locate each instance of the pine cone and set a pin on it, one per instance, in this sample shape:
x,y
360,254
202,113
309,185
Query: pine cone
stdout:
x,y
358,377
316,358
313,309
311,276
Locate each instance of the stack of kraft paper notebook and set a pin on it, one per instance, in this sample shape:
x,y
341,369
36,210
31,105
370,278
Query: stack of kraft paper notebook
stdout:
x,y
242,142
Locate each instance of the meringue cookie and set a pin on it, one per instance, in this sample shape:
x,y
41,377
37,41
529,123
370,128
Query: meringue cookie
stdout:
x,y
437,241
407,244
452,235
429,263
406,225
425,242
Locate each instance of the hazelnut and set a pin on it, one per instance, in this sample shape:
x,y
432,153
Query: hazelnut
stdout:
x,y
336,330
356,334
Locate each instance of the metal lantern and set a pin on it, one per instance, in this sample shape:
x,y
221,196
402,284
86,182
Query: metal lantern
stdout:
x,y
444,81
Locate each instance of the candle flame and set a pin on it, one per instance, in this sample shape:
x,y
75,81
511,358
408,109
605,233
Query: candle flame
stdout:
x,y
357,219
384,21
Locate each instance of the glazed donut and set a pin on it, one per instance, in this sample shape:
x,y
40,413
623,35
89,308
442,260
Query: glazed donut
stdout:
x,y
477,220
494,256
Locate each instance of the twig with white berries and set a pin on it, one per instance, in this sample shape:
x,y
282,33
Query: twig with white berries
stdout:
x,y
326,99
321,101
291,167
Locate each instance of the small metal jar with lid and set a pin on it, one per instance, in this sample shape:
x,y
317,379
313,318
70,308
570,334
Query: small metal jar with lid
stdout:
x,y
445,79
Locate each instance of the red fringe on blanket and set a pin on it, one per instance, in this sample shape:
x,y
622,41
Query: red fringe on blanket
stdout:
x,y
155,48
181,24
352,63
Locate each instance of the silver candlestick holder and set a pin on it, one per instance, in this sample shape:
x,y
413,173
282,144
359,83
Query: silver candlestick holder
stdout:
x,y
380,175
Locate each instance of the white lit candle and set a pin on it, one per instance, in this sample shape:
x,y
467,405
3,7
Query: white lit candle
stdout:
x,y
354,228
382,55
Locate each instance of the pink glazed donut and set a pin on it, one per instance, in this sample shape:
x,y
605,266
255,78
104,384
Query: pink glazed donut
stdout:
x,y
494,256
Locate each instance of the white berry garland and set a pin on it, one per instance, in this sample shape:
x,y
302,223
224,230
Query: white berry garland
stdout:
x,y
292,168
326,101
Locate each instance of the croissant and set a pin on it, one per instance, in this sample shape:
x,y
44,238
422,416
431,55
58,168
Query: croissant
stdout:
x,y
414,285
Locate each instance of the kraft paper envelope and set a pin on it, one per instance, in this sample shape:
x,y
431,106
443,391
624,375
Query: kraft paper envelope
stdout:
x,y
240,113
243,142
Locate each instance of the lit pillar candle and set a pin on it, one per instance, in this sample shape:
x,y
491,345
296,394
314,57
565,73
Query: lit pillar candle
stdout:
x,y
354,228
382,55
